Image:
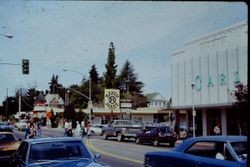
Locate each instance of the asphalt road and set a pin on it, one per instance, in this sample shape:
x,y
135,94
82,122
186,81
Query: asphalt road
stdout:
x,y
113,153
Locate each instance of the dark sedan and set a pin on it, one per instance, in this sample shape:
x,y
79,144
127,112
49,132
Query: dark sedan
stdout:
x,y
210,151
59,152
156,135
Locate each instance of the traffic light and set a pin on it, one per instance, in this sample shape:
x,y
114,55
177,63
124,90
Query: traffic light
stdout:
x,y
25,66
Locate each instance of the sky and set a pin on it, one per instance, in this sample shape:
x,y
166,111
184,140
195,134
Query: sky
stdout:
x,y
74,35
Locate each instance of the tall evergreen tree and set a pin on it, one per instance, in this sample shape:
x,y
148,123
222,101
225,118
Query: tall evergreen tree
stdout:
x,y
130,86
127,79
94,75
96,88
110,75
54,85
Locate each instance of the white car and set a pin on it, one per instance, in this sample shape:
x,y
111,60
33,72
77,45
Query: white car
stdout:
x,y
22,124
96,129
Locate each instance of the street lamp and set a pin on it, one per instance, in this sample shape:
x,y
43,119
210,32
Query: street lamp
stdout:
x,y
7,35
193,111
90,104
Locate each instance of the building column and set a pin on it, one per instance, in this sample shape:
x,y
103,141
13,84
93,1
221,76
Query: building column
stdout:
x,y
204,122
223,121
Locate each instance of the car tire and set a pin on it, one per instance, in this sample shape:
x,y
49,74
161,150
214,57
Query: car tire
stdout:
x,y
137,141
155,142
105,136
119,137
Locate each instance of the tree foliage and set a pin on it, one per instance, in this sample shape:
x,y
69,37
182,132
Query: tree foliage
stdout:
x,y
241,107
111,68
54,85
96,86
130,87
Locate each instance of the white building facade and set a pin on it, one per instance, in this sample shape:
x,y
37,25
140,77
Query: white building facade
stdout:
x,y
214,63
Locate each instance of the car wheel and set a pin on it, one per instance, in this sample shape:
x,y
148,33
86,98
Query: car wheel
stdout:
x,y
119,137
137,141
156,142
105,136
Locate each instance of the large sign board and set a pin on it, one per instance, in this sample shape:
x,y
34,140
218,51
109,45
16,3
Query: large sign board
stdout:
x,y
112,99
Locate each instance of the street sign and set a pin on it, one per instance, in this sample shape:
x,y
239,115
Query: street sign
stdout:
x,y
126,105
194,113
90,104
112,99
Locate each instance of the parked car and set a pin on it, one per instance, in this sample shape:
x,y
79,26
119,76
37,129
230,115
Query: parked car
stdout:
x,y
22,124
8,145
60,152
6,126
210,151
123,128
97,128
156,135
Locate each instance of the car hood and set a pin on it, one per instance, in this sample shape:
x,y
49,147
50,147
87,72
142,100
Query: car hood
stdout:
x,y
65,163
7,146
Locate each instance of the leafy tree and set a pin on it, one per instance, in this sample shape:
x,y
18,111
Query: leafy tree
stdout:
x,y
96,87
70,113
128,79
94,75
77,100
10,107
130,87
28,97
110,75
241,107
54,85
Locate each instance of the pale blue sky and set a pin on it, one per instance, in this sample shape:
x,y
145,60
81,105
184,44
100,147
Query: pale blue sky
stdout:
x,y
76,34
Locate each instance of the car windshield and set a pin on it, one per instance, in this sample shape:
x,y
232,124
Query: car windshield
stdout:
x,y
7,138
240,149
165,129
136,122
58,151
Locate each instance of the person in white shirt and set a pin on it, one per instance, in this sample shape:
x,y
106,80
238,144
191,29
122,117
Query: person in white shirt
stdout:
x,y
78,129
66,126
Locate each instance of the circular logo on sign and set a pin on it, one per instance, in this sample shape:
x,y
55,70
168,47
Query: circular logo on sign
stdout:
x,y
112,99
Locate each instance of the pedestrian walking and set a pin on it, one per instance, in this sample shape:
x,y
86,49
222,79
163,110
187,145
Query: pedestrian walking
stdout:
x,y
32,131
88,129
69,129
38,127
78,129
66,126
176,130
27,130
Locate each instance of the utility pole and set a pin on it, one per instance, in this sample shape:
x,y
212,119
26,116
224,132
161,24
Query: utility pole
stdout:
x,y
19,104
6,108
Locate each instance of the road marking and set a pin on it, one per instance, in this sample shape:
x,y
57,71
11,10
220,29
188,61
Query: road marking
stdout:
x,y
92,147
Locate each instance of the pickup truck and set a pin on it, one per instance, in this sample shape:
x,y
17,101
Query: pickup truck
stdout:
x,y
122,129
